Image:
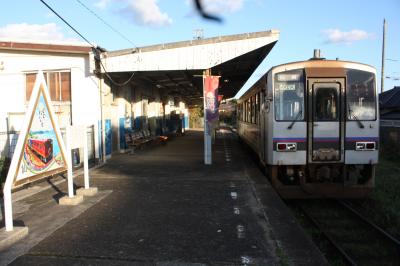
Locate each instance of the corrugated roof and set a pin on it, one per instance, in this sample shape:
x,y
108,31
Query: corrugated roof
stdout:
x,y
390,98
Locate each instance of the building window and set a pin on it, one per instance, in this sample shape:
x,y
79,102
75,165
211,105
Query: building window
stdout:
x,y
59,84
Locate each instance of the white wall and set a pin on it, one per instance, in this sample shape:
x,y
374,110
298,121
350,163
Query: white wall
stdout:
x,y
12,97
85,97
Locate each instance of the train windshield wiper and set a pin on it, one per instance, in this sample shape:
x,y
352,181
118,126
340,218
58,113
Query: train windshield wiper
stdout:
x,y
295,119
360,124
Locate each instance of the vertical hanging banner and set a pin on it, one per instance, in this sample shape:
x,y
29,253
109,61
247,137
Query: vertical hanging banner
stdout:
x,y
210,85
40,149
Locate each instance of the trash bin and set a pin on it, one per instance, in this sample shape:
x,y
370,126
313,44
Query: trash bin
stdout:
x,y
76,161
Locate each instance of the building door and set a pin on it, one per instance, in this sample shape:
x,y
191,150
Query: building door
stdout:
x,y
115,128
325,120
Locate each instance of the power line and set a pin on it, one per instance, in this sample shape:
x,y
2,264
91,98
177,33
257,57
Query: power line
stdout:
x,y
96,49
106,23
114,82
69,25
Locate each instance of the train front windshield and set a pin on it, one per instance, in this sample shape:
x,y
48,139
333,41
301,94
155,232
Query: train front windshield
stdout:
x,y
289,95
360,95
361,98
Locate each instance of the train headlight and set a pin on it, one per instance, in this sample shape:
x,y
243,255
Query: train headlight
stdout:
x,y
287,146
360,146
365,146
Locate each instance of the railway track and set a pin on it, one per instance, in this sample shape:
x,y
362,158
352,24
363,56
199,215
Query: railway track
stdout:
x,y
359,241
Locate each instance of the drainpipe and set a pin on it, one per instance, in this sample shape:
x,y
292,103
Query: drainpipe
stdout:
x,y
103,135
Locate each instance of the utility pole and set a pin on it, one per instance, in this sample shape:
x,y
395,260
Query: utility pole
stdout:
x,y
383,56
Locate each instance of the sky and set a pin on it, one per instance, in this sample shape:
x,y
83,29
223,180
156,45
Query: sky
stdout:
x,y
346,29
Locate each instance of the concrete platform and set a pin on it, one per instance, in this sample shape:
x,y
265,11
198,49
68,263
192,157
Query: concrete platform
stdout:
x,y
71,201
9,238
168,208
87,192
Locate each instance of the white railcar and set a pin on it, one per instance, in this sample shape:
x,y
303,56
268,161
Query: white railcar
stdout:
x,y
315,127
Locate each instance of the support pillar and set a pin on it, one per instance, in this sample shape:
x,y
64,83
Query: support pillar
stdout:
x,y
207,130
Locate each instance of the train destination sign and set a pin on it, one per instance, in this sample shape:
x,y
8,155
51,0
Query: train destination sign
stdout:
x,y
40,150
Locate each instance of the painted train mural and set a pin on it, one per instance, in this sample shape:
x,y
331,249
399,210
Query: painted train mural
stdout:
x,y
41,150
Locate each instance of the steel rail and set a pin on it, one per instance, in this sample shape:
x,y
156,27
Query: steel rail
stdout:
x,y
376,227
328,237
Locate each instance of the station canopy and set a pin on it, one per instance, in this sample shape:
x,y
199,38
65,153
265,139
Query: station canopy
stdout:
x,y
178,67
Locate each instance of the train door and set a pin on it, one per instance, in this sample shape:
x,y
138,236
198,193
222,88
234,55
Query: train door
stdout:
x,y
325,131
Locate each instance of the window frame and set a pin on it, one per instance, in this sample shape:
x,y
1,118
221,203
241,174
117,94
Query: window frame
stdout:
x,y
348,85
47,76
303,81
315,101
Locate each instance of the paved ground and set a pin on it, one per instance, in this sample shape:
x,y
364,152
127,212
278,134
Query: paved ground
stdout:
x,y
163,206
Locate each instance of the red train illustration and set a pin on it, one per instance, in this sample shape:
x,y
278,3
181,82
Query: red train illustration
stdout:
x,y
42,148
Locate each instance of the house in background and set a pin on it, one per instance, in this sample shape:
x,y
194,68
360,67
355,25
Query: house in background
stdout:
x,y
389,107
389,104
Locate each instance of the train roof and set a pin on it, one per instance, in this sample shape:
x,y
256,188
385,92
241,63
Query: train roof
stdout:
x,y
312,63
323,63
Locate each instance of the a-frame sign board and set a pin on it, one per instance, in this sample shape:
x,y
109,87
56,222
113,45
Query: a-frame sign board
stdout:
x,y
40,150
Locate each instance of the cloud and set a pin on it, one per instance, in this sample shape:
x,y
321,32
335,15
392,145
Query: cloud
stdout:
x,y
146,12
142,12
347,37
48,32
102,4
222,6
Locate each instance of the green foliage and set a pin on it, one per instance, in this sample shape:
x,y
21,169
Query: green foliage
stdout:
x,y
196,117
4,165
387,194
284,261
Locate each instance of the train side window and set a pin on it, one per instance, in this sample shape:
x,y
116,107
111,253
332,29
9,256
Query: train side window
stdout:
x,y
250,109
257,107
253,107
247,111
246,116
360,95
243,111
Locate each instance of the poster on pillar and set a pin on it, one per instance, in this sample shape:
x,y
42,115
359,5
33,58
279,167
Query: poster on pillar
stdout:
x,y
210,87
40,149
